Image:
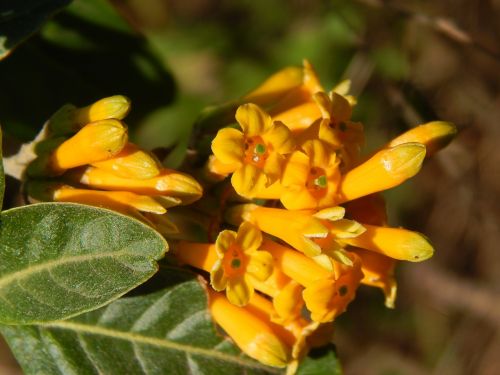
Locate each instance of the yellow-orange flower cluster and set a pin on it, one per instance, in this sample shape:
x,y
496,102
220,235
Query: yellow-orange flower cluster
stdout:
x,y
311,224
297,151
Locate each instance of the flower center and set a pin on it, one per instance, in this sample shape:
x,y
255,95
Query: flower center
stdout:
x,y
256,151
317,182
234,261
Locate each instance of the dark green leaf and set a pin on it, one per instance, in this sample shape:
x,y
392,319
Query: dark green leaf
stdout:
x,y
2,174
59,260
321,361
165,332
20,19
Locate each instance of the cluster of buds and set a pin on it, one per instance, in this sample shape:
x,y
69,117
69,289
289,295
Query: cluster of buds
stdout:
x,y
303,223
85,157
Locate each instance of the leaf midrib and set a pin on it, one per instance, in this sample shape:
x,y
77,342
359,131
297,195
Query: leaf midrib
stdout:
x,y
9,278
135,338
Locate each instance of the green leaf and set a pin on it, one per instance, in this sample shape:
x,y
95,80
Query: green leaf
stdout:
x,y
165,332
2,174
321,361
20,19
58,260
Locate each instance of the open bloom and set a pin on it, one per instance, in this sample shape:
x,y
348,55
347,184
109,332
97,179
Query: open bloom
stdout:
x,y
256,153
233,261
335,129
310,178
326,293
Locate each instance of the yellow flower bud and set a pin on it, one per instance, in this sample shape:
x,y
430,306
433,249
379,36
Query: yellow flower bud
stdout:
x,y
94,142
435,135
397,243
384,170
131,162
69,119
117,107
169,183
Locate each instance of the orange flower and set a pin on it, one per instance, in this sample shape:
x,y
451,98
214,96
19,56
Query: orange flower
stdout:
x,y
256,153
233,262
311,178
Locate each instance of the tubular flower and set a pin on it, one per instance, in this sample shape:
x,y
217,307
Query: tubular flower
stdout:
x,y
259,337
434,135
386,169
95,142
310,178
319,235
168,183
378,269
232,261
254,333
102,169
286,296
131,162
297,109
328,298
327,293
256,153
69,119
334,128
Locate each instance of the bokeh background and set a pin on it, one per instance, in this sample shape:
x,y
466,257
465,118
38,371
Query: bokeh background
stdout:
x,y
409,62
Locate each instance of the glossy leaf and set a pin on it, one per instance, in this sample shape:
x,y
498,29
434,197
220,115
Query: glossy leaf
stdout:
x,y
20,19
59,260
165,332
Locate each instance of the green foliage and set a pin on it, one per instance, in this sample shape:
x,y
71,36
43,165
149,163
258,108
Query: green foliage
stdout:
x,y
20,19
2,174
321,361
59,260
166,331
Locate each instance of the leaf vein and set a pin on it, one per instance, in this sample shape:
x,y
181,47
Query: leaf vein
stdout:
x,y
14,276
153,341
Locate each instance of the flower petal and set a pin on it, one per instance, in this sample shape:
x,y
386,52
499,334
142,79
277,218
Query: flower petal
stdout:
x,y
340,107
252,119
280,137
239,290
224,240
273,167
324,103
248,181
249,237
318,153
296,170
260,265
218,278
288,303
228,146
298,199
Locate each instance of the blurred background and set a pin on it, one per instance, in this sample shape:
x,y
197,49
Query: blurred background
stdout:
x,y
410,62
